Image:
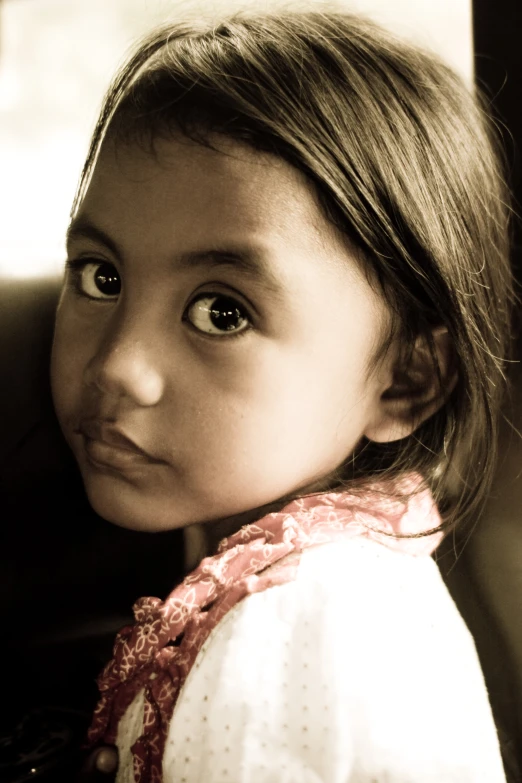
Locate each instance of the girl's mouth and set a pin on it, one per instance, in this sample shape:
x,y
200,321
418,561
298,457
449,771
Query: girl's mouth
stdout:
x,y
106,446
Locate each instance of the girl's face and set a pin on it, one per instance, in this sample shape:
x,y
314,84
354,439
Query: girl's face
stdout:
x,y
214,339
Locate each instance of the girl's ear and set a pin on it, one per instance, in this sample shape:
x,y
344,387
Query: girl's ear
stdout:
x,y
418,388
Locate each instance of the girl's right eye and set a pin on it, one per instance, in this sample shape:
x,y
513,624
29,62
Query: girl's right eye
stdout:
x,y
96,279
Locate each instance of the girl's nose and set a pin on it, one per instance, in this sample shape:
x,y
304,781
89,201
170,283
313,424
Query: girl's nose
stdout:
x,y
128,364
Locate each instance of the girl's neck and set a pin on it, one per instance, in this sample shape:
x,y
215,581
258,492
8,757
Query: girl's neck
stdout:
x,y
202,538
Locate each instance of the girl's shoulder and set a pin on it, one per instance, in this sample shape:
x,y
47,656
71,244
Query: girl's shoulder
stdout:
x,y
362,575
353,589
362,659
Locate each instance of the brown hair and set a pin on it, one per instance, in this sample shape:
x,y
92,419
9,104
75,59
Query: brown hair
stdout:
x,y
403,161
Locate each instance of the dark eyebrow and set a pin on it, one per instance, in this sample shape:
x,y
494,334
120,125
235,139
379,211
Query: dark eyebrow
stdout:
x,y
248,259
80,228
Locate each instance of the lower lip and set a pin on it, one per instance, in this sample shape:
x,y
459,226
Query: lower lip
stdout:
x,y
101,455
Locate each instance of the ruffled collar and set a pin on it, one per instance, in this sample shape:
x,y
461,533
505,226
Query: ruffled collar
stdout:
x,y
157,652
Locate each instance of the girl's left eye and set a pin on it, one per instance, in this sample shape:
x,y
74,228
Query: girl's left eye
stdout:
x,y
217,314
96,280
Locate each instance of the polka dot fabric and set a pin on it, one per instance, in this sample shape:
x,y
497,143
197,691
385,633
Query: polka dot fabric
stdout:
x,y
359,670
187,696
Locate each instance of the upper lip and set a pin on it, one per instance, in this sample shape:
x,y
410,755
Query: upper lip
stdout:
x,y
106,432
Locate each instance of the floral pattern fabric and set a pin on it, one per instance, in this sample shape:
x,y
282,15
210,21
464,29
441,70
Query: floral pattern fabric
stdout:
x,y
155,655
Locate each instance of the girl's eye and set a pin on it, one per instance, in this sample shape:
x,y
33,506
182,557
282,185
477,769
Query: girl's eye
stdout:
x,y
97,280
217,314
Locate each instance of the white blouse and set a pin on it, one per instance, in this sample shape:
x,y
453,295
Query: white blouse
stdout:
x,y
359,671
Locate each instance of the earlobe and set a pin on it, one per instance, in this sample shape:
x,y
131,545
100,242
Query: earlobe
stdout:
x,y
420,385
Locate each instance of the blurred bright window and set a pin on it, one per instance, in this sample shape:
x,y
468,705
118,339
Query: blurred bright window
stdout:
x,y
56,59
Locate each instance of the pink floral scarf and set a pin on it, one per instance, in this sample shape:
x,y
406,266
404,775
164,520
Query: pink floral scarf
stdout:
x,y
157,652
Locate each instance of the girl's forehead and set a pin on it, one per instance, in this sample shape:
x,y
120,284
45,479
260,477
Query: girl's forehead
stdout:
x,y
187,200
227,166
229,188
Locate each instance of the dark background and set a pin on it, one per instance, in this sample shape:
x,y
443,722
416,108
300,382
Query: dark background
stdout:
x,y
497,32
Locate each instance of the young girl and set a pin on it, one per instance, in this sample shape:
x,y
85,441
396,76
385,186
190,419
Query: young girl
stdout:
x,y
284,324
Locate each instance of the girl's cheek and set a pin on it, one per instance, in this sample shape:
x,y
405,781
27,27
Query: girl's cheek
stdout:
x,y
63,372
71,346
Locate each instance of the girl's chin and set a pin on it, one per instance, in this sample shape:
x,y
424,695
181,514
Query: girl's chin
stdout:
x,y
141,505
128,507
121,507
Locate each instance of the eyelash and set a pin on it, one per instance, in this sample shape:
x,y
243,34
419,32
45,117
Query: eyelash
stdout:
x,y
76,267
